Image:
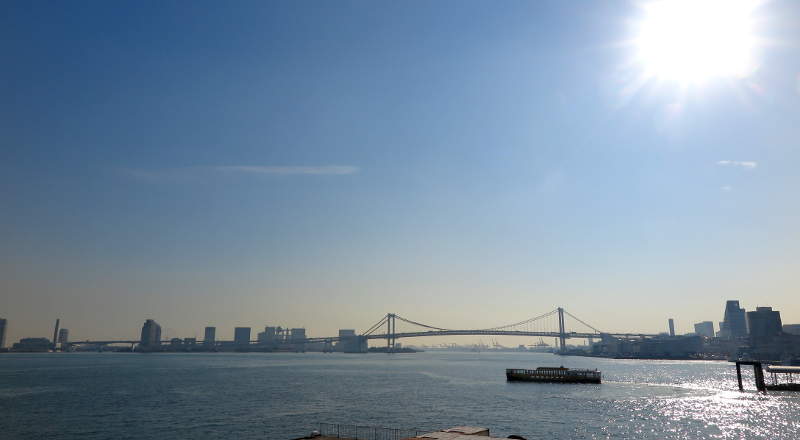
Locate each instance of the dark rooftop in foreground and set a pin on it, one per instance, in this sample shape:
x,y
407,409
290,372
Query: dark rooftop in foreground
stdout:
x,y
352,432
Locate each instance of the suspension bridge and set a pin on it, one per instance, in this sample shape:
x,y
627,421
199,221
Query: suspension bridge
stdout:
x,y
553,324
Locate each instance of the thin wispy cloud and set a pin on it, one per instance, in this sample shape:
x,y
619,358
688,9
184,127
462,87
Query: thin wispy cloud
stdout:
x,y
749,164
186,174
335,170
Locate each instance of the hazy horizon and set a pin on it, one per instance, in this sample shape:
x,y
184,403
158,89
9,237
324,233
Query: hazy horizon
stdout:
x,y
317,165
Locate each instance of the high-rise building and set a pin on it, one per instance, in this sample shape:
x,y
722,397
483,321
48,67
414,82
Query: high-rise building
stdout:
x,y
734,324
3,324
705,328
63,337
151,334
210,336
764,324
241,335
671,327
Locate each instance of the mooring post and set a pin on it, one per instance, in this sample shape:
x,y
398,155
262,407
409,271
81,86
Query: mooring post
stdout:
x,y
739,375
759,372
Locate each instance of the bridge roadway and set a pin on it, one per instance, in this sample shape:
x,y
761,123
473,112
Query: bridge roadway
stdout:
x,y
568,335
389,321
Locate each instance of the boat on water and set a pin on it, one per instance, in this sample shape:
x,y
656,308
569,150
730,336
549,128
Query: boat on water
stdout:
x,y
553,374
789,371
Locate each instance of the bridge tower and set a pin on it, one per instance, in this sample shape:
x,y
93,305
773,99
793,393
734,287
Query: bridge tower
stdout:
x,y
390,332
562,335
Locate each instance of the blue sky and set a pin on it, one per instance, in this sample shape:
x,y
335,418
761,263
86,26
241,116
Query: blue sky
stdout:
x,y
467,164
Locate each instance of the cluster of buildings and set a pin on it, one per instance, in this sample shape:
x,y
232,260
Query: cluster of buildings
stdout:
x,y
34,345
760,333
271,339
151,340
756,334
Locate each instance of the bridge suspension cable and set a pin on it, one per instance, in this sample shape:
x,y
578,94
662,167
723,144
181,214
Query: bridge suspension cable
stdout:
x,y
375,327
420,324
527,321
389,317
579,320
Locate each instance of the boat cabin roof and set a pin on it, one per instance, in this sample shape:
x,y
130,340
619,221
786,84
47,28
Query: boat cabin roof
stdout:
x,y
782,369
458,433
564,369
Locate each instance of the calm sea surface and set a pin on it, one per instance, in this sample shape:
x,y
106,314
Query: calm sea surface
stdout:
x,y
277,396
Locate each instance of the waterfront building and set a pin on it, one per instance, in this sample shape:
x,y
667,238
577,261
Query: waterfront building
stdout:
x,y
268,336
189,342
347,341
298,334
734,324
350,342
272,334
210,336
671,327
705,328
63,337
764,324
792,329
660,347
175,343
32,345
3,325
241,335
151,335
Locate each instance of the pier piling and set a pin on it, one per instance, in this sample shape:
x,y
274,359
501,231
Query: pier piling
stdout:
x,y
758,371
739,376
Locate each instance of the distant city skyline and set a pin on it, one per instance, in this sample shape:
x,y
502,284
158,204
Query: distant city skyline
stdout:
x,y
733,317
318,165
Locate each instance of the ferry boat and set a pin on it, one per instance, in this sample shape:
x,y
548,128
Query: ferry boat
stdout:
x,y
777,385
553,374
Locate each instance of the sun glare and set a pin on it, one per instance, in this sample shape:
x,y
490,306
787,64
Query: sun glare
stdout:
x,y
696,40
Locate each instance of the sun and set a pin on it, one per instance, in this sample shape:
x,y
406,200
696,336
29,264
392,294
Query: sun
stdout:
x,y
696,40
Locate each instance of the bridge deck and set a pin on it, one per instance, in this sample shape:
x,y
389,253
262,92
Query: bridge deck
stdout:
x,y
568,335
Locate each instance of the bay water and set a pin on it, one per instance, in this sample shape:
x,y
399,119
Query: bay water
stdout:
x,y
284,395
